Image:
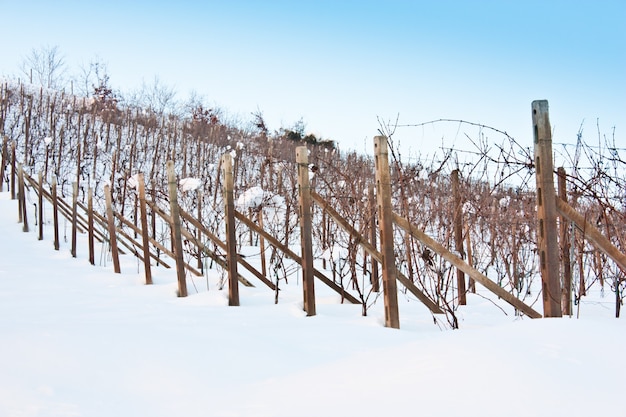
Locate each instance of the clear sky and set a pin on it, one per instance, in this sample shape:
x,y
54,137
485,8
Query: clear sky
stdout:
x,y
341,65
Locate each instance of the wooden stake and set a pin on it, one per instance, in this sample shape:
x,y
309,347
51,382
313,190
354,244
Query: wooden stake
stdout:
x,y
385,222
458,235
144,228
470,261
111,226
198,232
22,200
566,300
13,170
40,204
231,243
304,194
5,143
74,215
262,244
374,279
90,231
55,213
547,236
176,234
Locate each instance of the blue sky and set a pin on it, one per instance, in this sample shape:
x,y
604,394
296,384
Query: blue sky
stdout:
x,y
343,65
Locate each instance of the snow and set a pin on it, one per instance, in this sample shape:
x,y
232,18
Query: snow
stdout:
x,y
133,181
251,198
79,340
190,184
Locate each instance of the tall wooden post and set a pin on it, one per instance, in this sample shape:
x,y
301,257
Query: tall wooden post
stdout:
x,y
144,228
5,143
373,234
13,170
385,222
566,301
111,226
40,204
458,235
55,213
231,243
262,244
198,231
74,216
304,195
547,235
177,242
90,230
22,200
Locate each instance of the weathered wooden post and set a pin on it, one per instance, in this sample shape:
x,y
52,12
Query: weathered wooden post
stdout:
x,y
262,243
111,226
177,242
304,195
13,170
547,235
373,234
40,204
55,213
143,212
385,222
90,231
566,301
74,216
22,199
458,235
198,231
5,143
231,243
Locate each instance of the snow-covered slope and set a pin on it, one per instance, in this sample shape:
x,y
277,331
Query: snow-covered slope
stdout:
x,y
79,340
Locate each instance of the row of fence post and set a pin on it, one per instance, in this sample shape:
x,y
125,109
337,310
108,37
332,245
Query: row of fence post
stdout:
x,y
556,297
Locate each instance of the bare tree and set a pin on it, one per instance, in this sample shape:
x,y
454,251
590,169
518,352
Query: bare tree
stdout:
x,y
91,76
45,66
157,97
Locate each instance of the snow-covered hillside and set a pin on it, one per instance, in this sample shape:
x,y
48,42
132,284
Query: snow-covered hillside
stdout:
x,y
79,340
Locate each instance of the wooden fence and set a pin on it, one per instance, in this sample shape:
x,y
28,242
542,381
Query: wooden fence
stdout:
x,y
108,227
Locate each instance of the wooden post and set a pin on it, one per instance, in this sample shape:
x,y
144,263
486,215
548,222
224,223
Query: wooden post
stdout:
x,y
385,222
547,236
55,213
262,244
144,228
198,231
20,209
74,215
566,301
13,170
111,226
458,235
92,252
5,143
373,234
22,200
470,261
304,194
40,204
231,243
176,233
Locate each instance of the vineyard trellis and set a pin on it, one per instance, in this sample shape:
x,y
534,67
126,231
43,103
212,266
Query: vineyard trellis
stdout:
x,y
94,152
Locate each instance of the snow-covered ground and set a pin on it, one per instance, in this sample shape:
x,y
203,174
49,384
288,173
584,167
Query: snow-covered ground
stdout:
x,y
79,340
